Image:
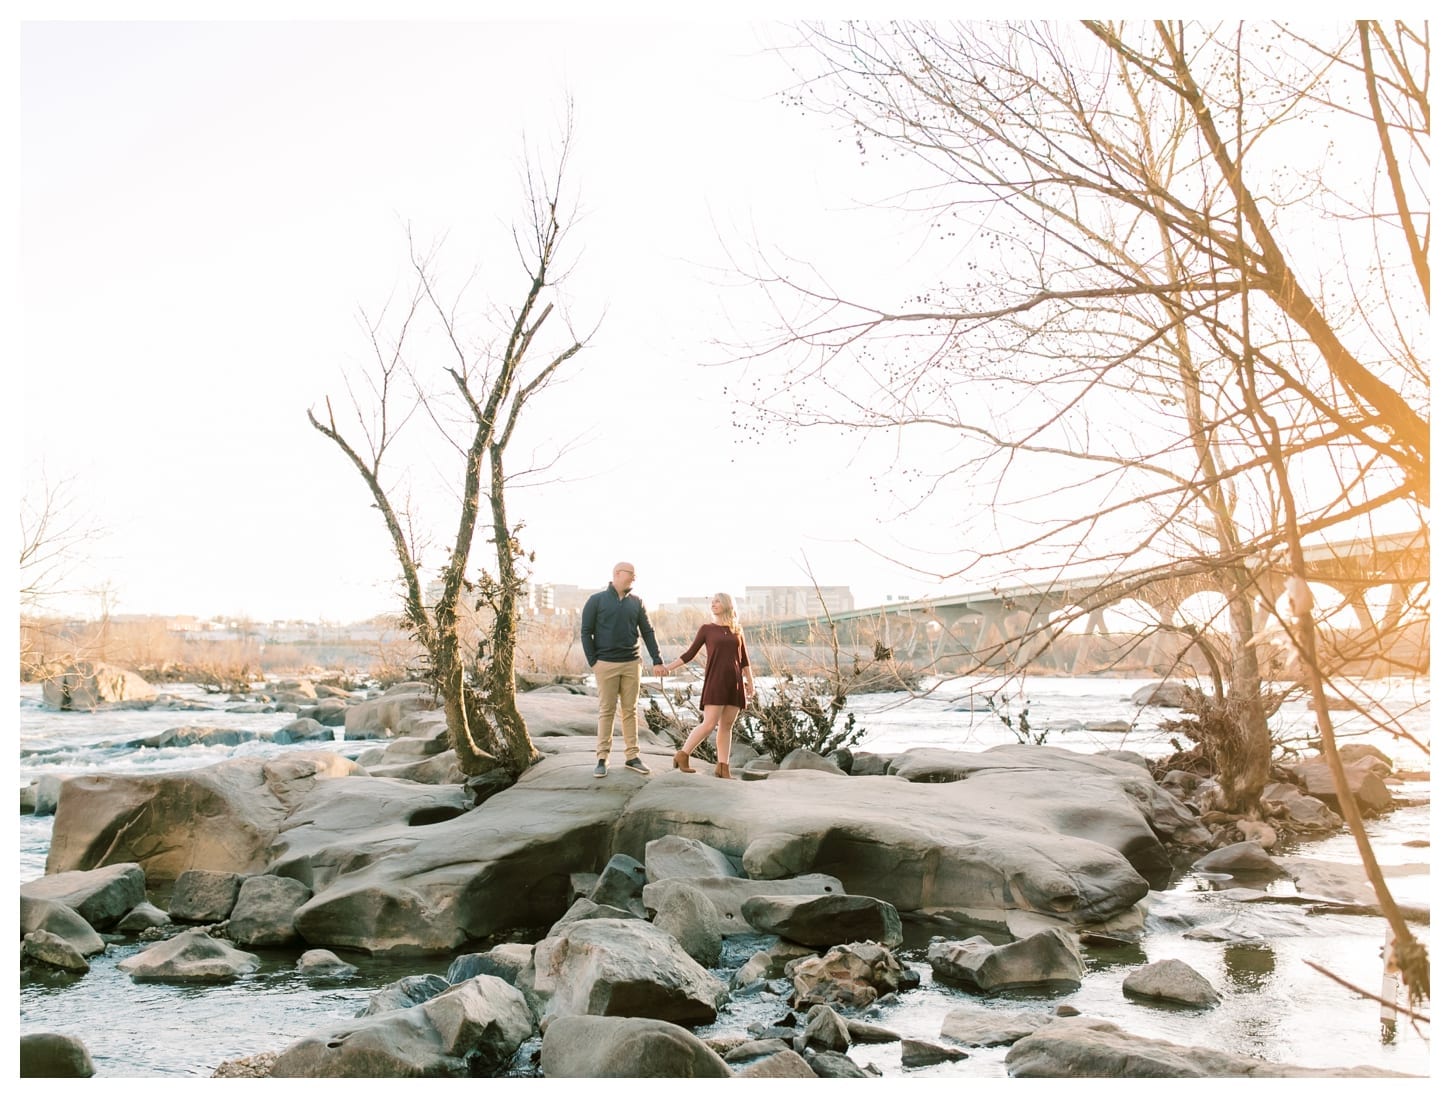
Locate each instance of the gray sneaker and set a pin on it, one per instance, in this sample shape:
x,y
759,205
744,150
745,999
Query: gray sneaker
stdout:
x,y
637,765
601,768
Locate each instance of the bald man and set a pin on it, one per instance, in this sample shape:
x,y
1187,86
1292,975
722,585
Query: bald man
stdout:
x,y
610,628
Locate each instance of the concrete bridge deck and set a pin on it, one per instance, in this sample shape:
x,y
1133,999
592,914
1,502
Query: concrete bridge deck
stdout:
x,y
1060,624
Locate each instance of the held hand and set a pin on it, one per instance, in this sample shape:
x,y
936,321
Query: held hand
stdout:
x,y
659,670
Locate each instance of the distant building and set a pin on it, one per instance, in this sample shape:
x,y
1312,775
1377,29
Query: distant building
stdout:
x,y
776,603
560,598
689,602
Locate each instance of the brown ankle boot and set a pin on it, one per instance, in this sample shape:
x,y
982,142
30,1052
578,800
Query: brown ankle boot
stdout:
x,y
722,770
682,762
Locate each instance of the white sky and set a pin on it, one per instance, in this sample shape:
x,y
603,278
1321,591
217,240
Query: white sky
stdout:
x,y
206,206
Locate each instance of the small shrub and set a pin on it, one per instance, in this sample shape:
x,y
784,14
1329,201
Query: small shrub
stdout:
x,y
1020,727
796,716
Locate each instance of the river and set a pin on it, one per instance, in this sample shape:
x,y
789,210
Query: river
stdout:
x,y
1274,1005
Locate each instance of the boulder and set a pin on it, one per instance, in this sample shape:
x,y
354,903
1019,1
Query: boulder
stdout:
x,y
53,950
828,1064
619,967
54,1056
60,920
1170,981
405,993
144,916
1083,1047
585,908
803,758
324,964
916,1053
505,961
382,718
99,896
825,1029
728,895
1167,695
854,975
329,712
266,911
302,730
193,735
471,1029
786,1064
91,685
686,914
679,856
1364,778
825,921
1306,813
1245,859
47,794
204,896
222,817
620,884
192,957
977,1027
585,1046
1048,959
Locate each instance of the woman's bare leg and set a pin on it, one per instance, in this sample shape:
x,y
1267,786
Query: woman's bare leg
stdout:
x,y
726,717
709,719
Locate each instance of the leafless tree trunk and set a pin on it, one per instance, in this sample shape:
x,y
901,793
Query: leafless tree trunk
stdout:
x,y
492,392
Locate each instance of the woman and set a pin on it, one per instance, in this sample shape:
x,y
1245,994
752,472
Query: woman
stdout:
x,y
729,683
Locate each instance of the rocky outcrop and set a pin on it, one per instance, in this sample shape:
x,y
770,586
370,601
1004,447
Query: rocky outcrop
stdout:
x,y
996,837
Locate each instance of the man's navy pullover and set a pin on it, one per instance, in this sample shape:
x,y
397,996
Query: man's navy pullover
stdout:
x,y
610,628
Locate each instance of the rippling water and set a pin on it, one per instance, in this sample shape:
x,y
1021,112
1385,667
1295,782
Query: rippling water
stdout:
x,y
1274,1005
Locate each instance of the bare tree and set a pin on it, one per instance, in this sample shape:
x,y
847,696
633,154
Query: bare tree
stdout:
x,y
53,539
1182,301
482,404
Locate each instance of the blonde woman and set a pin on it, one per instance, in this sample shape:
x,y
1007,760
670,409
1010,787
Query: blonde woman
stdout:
x,y
729,683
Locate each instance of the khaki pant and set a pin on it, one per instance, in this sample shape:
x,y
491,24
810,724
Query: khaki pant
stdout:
x,y
618,685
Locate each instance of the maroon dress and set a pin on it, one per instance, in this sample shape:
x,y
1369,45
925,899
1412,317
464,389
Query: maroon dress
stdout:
x,y
724,659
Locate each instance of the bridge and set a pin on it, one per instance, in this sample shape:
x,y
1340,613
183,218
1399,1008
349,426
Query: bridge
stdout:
x,y
1061,625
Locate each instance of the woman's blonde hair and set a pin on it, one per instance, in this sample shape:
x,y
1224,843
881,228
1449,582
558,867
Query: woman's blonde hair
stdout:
x,y
732,622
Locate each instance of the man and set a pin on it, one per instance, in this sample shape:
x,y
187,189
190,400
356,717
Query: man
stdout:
x,y
610,628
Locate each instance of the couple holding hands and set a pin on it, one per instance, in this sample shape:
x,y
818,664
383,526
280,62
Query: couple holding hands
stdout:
x,y
610,628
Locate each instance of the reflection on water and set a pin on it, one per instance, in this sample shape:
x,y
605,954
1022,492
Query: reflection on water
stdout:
x,y
1248,966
